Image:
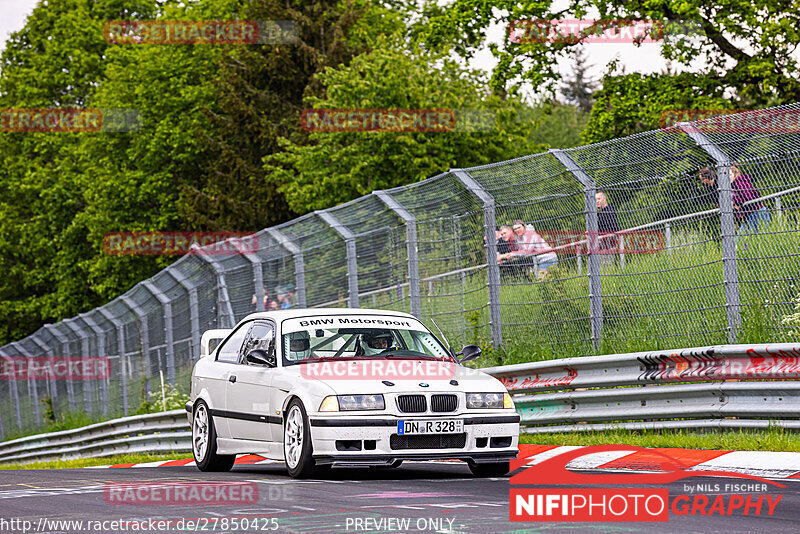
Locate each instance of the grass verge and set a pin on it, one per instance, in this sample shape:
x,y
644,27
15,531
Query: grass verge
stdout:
x,y
772,439
108,460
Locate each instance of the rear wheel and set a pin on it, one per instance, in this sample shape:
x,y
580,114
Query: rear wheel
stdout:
x,y
297,448
490,470
204,442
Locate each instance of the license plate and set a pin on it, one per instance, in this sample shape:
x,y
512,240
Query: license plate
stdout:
x,y
430,426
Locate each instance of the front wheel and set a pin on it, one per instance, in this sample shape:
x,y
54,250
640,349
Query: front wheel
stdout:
x,y
204,442
297,449
490,470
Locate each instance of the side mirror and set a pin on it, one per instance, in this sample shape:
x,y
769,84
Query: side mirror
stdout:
x,y
260,357
469,352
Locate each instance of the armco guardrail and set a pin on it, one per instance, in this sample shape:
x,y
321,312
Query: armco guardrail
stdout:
x,y
156,432
726,386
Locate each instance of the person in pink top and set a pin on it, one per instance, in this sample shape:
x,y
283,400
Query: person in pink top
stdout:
x,y
531,249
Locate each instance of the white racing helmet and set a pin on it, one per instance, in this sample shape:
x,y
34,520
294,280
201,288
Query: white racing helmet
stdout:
x,y
299,346
373,343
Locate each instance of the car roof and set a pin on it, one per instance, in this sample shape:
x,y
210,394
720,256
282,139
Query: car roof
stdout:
x,y
292,313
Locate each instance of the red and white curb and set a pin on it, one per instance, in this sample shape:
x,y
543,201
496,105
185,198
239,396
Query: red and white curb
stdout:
x,y
765,464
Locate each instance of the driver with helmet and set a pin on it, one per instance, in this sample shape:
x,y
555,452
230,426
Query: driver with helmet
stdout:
x,y
373,343
299,346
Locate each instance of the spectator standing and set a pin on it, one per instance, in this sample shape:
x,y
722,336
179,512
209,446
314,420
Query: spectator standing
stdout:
x,y
749,216
607,222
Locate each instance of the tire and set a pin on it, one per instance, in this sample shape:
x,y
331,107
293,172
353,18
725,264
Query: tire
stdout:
x,y
204,442
490,470
297,448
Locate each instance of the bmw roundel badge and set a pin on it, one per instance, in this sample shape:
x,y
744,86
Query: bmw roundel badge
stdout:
x,y
423,384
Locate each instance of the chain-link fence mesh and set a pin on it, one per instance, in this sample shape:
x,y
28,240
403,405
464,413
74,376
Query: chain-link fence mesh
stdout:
x,y
684,236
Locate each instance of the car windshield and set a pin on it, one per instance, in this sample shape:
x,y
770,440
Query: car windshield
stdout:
x,y
348,336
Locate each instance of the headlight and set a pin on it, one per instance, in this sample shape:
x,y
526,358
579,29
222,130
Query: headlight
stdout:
x,y
484,401
329,404
361,402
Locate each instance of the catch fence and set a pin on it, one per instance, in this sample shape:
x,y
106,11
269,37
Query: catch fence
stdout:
x,y
684,268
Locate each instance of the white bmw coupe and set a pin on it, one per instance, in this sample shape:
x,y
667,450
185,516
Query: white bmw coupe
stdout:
x,y
317,388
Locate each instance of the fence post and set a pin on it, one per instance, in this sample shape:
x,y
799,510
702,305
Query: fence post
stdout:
x,y
32,390
350,246
144,338
85,384
123,359
590,203
411,249
14,394
225,311
299,264
258,273
51,383
63,341
100,336
194,311
169,339
492,268
727,226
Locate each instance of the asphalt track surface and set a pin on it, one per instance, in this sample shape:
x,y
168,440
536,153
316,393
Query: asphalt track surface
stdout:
x,y
435,497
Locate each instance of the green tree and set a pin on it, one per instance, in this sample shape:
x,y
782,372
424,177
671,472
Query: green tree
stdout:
x,y
746,47
632,103
339,166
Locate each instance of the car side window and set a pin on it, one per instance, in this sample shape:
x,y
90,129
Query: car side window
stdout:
x,y
261,336
229,351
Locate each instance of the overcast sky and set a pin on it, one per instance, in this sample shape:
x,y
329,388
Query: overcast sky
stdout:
x,y
643,59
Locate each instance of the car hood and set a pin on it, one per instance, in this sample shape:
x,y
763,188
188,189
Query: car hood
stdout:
x,y
369,377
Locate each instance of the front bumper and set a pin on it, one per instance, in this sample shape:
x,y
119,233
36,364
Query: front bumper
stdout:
x,y
373,437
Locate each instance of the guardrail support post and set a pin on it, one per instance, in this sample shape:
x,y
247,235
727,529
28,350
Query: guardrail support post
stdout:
x,y
123,359
299,264
194,311
350,246
85,384
63,341
411,250
595,286
32,390
14,394
169,339
100,336
492,268
727,226
225,310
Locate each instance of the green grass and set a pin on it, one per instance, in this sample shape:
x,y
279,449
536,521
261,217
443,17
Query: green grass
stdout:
x,y
108,460
772,439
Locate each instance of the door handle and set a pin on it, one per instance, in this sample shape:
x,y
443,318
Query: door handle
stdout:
x,y
232,378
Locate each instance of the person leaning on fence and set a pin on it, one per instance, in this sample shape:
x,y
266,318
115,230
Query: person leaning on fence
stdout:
x,y
749,217
505,243
531,250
